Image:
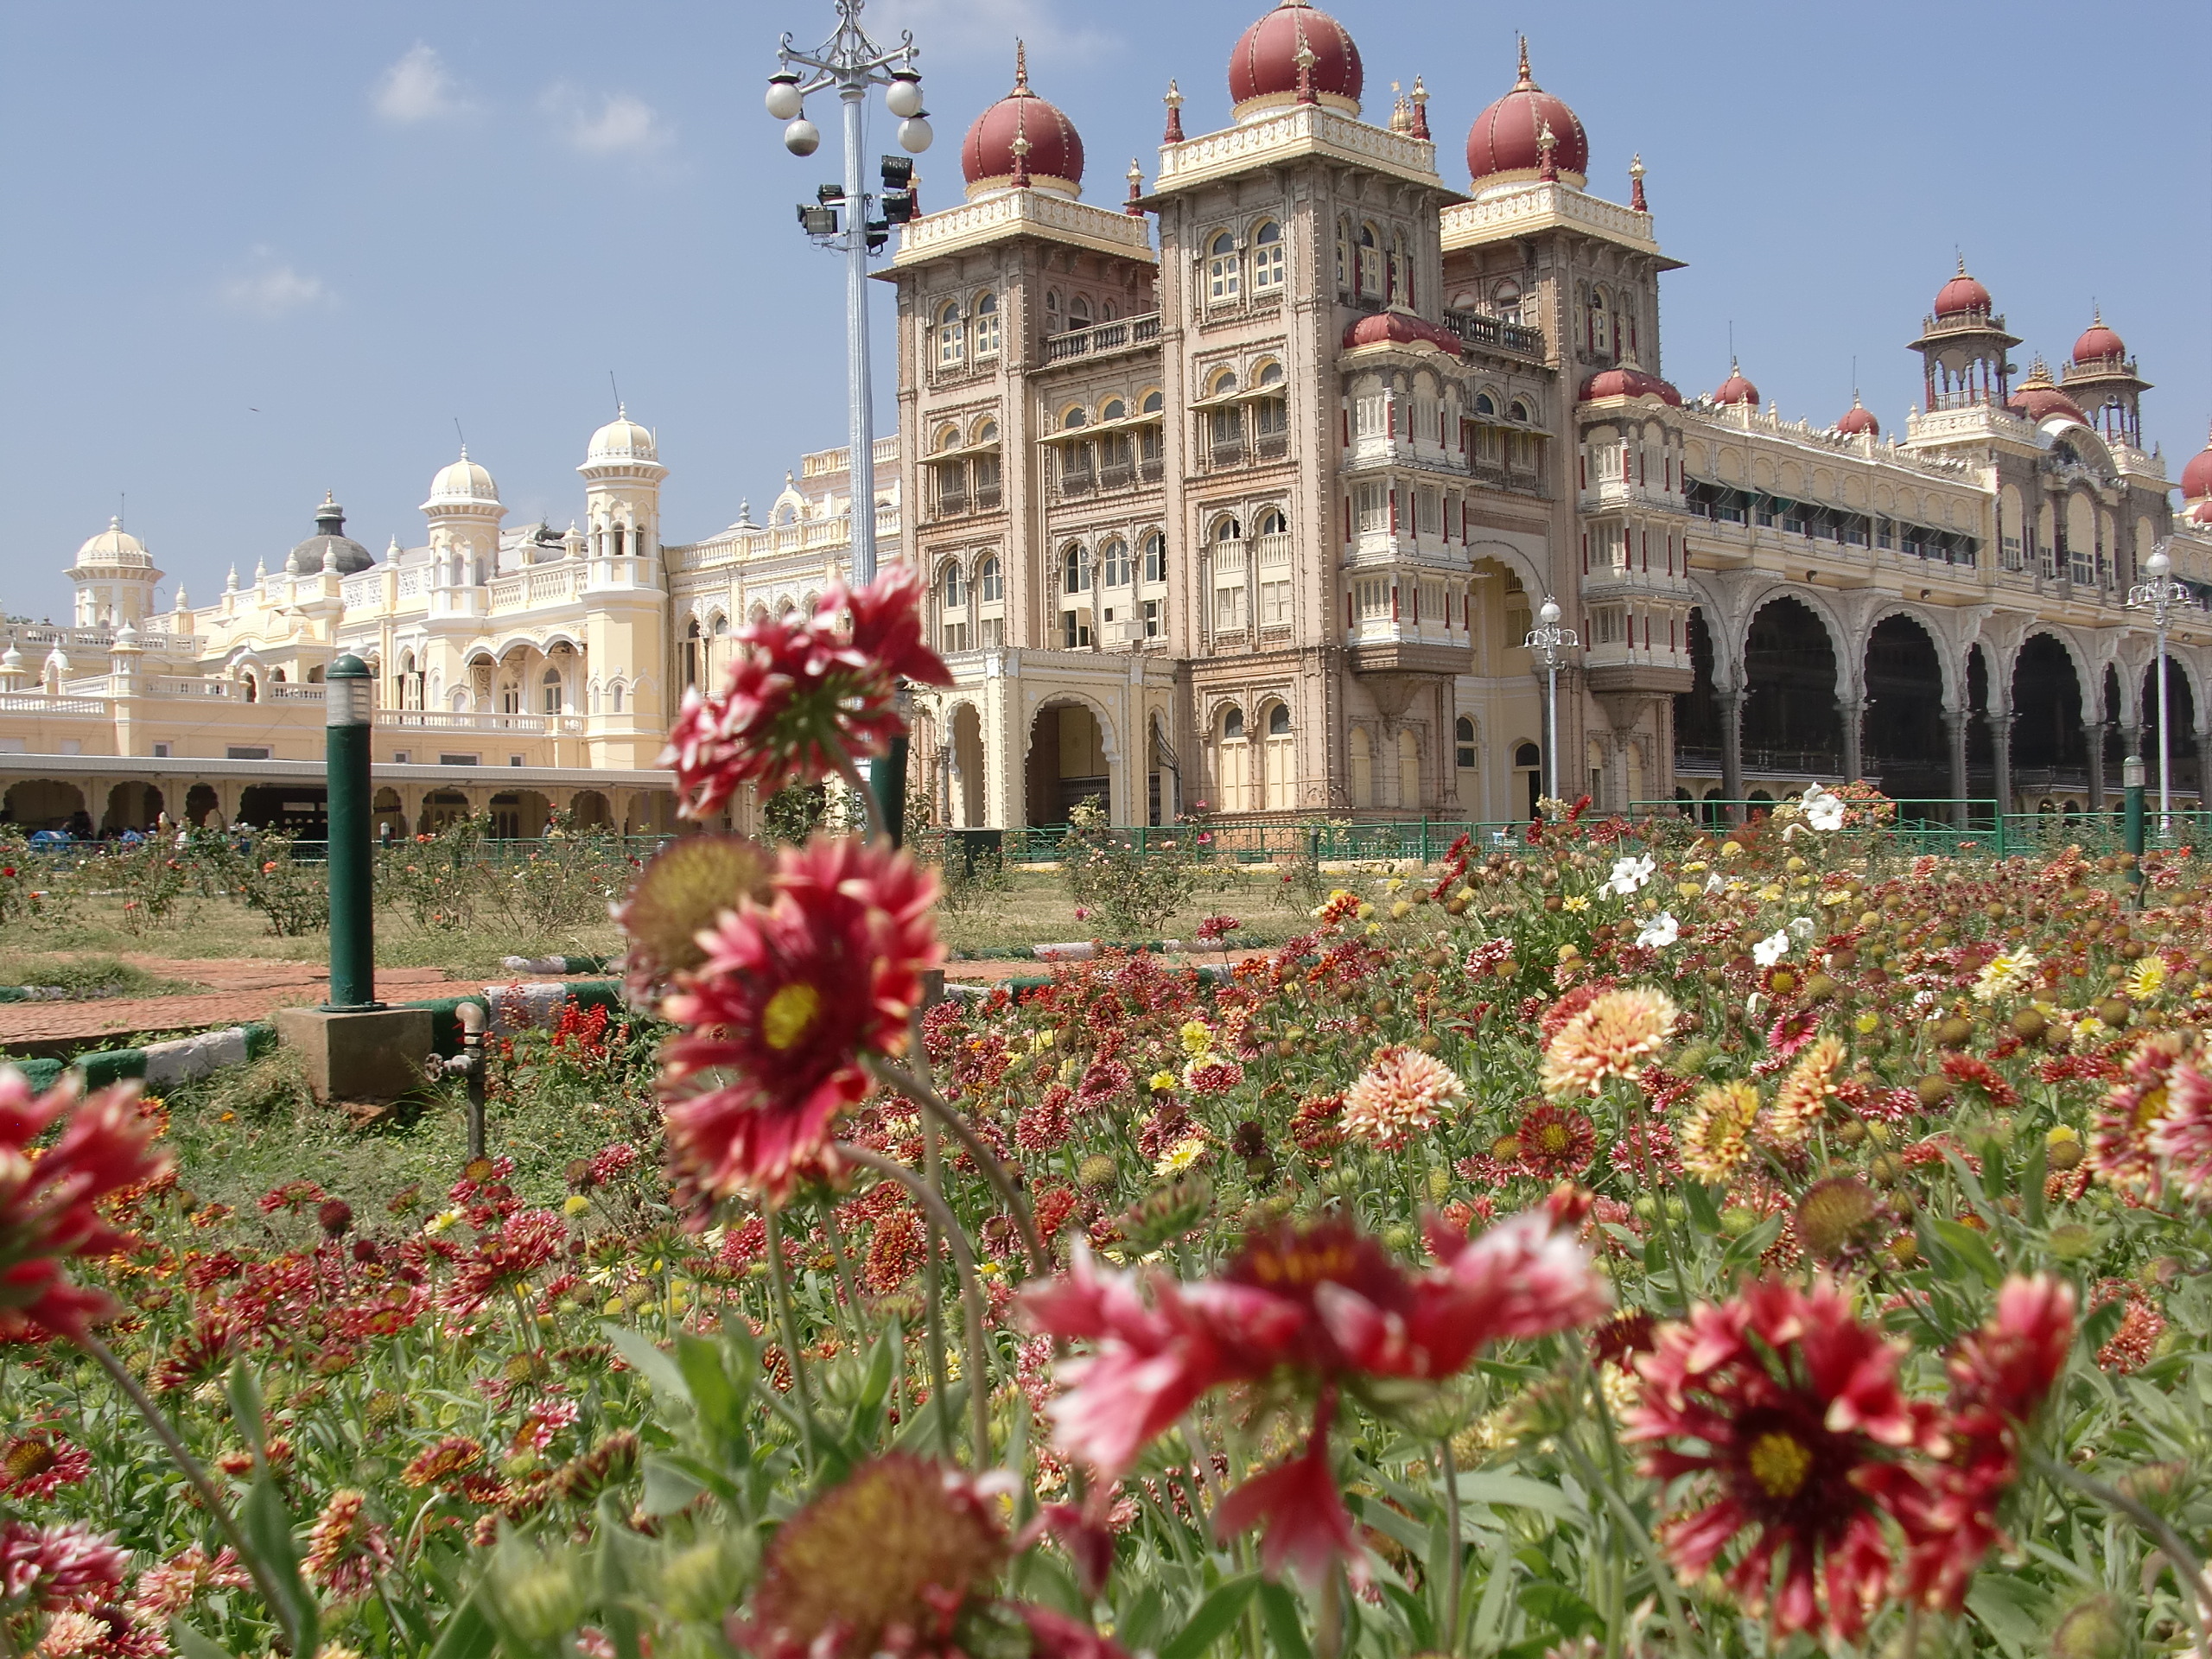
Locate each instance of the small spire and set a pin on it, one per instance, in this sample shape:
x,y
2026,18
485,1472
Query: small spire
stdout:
x,y
1421,110
1021,160
1136,189
114,521
1962,262
1174,102
1021,66
1636,201
1304,59
1547,146
1527,81
1402,112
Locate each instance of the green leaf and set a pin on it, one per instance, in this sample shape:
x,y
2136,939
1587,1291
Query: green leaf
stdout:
x,y
1699,1200
1752,1245
2010,1609
243,1388
1279,1611
721,1408
1970,1247
466,1635
637,1351
668,1488
269,1534
1222,1608
1518,1492
2102,1324
1561,1609
194,1645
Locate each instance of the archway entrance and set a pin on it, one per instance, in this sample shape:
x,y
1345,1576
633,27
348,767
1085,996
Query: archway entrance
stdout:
x,y
130,806
2051,751
1697,711
201,802
43,803
1903,742
441,807
388,817
1791,723
965,757
1067,763
591,809
298,810
516,813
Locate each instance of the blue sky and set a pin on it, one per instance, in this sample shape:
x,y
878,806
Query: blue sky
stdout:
x,y
256,249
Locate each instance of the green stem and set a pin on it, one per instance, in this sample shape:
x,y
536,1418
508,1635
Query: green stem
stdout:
x,y
2184,1559
917,1087
977,1360
837,1236
119,1373
1662,1575
1329,1632
788,1317
1455,1567
932,1306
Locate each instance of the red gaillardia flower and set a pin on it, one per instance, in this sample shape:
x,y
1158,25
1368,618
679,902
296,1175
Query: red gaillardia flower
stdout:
x,y
1788,1411
793,994
1317,1305
805,694
49,1198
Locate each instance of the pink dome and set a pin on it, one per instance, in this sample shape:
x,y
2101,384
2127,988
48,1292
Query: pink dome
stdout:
x,y
2039,399
1398,328
2099,344
1962,294
2199,513
1054,156
1629,381
1858,420
1263,69
1505,143
2196,477
1736,389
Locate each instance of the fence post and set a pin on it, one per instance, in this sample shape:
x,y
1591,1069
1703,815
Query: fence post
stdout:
x,y
1424,839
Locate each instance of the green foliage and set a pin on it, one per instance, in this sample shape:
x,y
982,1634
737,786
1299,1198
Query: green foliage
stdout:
x,y
1133,890
291,895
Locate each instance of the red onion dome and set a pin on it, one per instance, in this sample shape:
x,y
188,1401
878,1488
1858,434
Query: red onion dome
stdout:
x,y
1962,294
2196,477
2099,344
1401,329
2038,399
2199,513
1505,145
1629,381
1736,389
1859,419
1264,70
1022,142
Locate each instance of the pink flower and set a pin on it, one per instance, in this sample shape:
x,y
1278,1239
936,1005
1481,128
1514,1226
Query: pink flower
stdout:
x,y
2181,1134
1299,1509
793,996
51,1567
806,696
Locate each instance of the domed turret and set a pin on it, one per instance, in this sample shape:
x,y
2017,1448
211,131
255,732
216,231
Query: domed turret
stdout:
x,y
1736,389
1505,145
461,482
2099,344
1265,72
1022,143
2196,477
1629,381
1858,421
1962,294
330,548
116,547
2039,398
115,578
622,439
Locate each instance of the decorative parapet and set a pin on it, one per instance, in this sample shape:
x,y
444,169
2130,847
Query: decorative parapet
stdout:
x,y
1302,130
1022,212
1535,208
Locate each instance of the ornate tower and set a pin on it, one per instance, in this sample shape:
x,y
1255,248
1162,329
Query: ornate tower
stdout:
x,y
464,511
1963,345
114,579
622,475
2102,381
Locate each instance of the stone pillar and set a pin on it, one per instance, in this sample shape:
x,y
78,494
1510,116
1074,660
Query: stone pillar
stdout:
x,y
1955,733
1854,720
1731,752
2095,731
2000,743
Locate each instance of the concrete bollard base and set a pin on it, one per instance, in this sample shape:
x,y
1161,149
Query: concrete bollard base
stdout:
x,y
376,1055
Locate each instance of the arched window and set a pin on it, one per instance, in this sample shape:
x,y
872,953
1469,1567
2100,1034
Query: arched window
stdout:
x,y
1114,409
1408,769
1113,564
1270,374
990,582
1505,300
955,585
1073,418
1521,412
1224,268
1080,312
1232,724
1227,530
987,432
1370,261
1155,556
1223,383
1269,523
691,652
550,690
1527,754
1463,737
1075,570
1279,721
951,338
948,437
1484,404
1601,327
614,697
1343,255
1052,310
986,325
1152,403
1401,272
1267,258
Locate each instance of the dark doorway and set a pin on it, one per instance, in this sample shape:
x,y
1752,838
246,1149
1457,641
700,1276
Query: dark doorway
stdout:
x,y
1790,720
1903,741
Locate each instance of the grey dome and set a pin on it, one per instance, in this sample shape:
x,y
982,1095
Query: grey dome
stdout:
x,y
309,557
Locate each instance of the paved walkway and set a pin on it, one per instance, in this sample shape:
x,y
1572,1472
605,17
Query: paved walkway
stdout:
x,y
238,989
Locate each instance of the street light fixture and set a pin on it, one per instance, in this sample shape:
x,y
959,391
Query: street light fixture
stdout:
x,y
1551,642
2158,596
850,63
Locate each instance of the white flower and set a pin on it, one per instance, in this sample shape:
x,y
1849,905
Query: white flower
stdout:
x,y
1713,883
1631,873
1660,930
2003,974
1823,809
1771,950
1803,927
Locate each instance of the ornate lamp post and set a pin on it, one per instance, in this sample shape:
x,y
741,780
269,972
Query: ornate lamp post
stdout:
x,y
1551,642
839,216
2158,596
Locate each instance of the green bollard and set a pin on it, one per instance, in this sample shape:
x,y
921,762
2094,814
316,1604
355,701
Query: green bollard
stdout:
x,y
2130,774
348,695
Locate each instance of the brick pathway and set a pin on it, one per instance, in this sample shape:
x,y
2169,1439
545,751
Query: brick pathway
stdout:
x,y
239,989
993,971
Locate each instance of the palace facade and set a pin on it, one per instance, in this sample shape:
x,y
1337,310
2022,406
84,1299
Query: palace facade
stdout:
x,y
1244,491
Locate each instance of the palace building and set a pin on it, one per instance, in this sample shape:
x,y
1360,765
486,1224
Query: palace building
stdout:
x,y
1245,489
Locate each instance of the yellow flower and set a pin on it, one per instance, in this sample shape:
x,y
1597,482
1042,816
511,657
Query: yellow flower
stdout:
x,y
1687,889
1731,849
1608,1038
1716,1134
2148,979
1577,903
1868,1023
1803,1097
1401,909
441,1222
1159,1082
2062,1135
2003,974
1197,1036
1695,867
575,1205
1181,1155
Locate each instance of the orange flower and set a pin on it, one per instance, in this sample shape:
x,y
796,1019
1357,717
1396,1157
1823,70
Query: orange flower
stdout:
x,y
1608,1038
1401,1090
1803,1097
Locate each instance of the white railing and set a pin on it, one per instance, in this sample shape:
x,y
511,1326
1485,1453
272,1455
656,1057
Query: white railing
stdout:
x,y
437,721
285,691
178,685
1274,549
1302,129
412,581
38,702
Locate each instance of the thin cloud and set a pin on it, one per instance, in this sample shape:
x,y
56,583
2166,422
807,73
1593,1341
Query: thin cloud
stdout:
x,y
610,124
276,291
943,28
418,88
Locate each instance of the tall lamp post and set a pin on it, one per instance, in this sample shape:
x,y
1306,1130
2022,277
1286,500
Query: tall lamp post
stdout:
x,y
2158,596
840,217
348,698
1551,642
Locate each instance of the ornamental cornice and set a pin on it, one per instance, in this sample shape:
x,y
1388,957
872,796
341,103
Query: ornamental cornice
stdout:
x,y
1022,212
1301,132
1535,207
